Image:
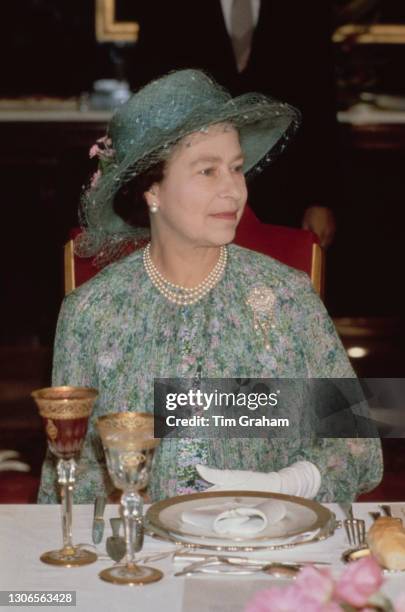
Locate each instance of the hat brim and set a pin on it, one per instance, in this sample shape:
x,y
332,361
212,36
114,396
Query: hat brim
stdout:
x,y
265,130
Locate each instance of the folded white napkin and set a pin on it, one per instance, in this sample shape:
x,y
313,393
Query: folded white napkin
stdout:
x,y
301,478
235,518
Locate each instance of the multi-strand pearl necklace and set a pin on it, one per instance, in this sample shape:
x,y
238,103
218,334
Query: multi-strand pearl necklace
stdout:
x,y
184,295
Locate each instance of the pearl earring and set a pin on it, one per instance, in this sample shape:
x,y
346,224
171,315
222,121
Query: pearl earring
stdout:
x,y
154,207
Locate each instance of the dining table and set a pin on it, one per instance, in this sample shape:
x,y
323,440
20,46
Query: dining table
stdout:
x,y
28,530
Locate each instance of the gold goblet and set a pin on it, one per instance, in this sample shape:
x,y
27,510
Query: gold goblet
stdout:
x,y
65,412
129,445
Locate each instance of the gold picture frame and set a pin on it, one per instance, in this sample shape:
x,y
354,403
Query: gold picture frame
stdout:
x,y
110,30
374,34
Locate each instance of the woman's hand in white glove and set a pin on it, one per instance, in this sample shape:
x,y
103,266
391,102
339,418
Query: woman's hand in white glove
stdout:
x,y
242,480
301,478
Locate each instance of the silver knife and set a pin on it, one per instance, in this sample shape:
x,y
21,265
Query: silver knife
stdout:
x,y
98,521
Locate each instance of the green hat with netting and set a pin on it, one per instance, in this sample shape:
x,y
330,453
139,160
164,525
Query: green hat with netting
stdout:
x,y
144,130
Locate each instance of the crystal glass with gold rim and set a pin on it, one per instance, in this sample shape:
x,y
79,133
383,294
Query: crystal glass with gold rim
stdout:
x,y
65,413
129,445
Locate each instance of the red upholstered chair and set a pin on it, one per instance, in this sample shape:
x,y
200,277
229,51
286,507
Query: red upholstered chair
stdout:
x,y
17,484
295,247
18,488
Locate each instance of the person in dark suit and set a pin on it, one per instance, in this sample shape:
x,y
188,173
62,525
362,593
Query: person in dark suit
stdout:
x,y
289,57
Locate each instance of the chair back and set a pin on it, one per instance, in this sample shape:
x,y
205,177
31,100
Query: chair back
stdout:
x,y
295,247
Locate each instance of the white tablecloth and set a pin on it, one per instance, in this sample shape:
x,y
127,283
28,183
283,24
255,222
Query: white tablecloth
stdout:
x,y
26,531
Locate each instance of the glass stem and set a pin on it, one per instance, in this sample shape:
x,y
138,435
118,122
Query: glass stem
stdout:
x,y
131,513
66,478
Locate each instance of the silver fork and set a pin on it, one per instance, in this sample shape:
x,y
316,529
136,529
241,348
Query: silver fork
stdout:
x,y
347,511
355,528
355,531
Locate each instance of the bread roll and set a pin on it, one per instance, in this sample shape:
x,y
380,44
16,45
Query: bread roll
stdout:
x,y
386,539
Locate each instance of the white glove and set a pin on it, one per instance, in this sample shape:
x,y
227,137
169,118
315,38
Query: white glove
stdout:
x,y
301,478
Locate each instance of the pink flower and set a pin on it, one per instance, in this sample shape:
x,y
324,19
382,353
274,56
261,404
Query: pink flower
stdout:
x,y
104,151
315,591
107,142
108,153
94,151
215,342
336,461
318,582
189,360
95,178
290,599
357,446
400,603
359,581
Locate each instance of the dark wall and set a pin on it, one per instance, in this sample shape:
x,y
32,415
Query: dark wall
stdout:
x,y
49,47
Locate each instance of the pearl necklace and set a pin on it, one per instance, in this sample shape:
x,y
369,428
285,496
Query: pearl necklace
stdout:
x,y
184,295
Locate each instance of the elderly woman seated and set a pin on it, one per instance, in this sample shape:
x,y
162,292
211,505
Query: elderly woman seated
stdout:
x,y
188,305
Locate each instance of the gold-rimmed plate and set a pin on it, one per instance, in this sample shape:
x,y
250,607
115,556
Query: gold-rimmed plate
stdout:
x,y
305,521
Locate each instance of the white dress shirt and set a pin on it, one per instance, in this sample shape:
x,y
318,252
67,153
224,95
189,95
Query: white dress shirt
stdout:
x,y
227,9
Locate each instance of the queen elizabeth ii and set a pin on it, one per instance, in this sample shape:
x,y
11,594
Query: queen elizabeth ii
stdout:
x,y
191,303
